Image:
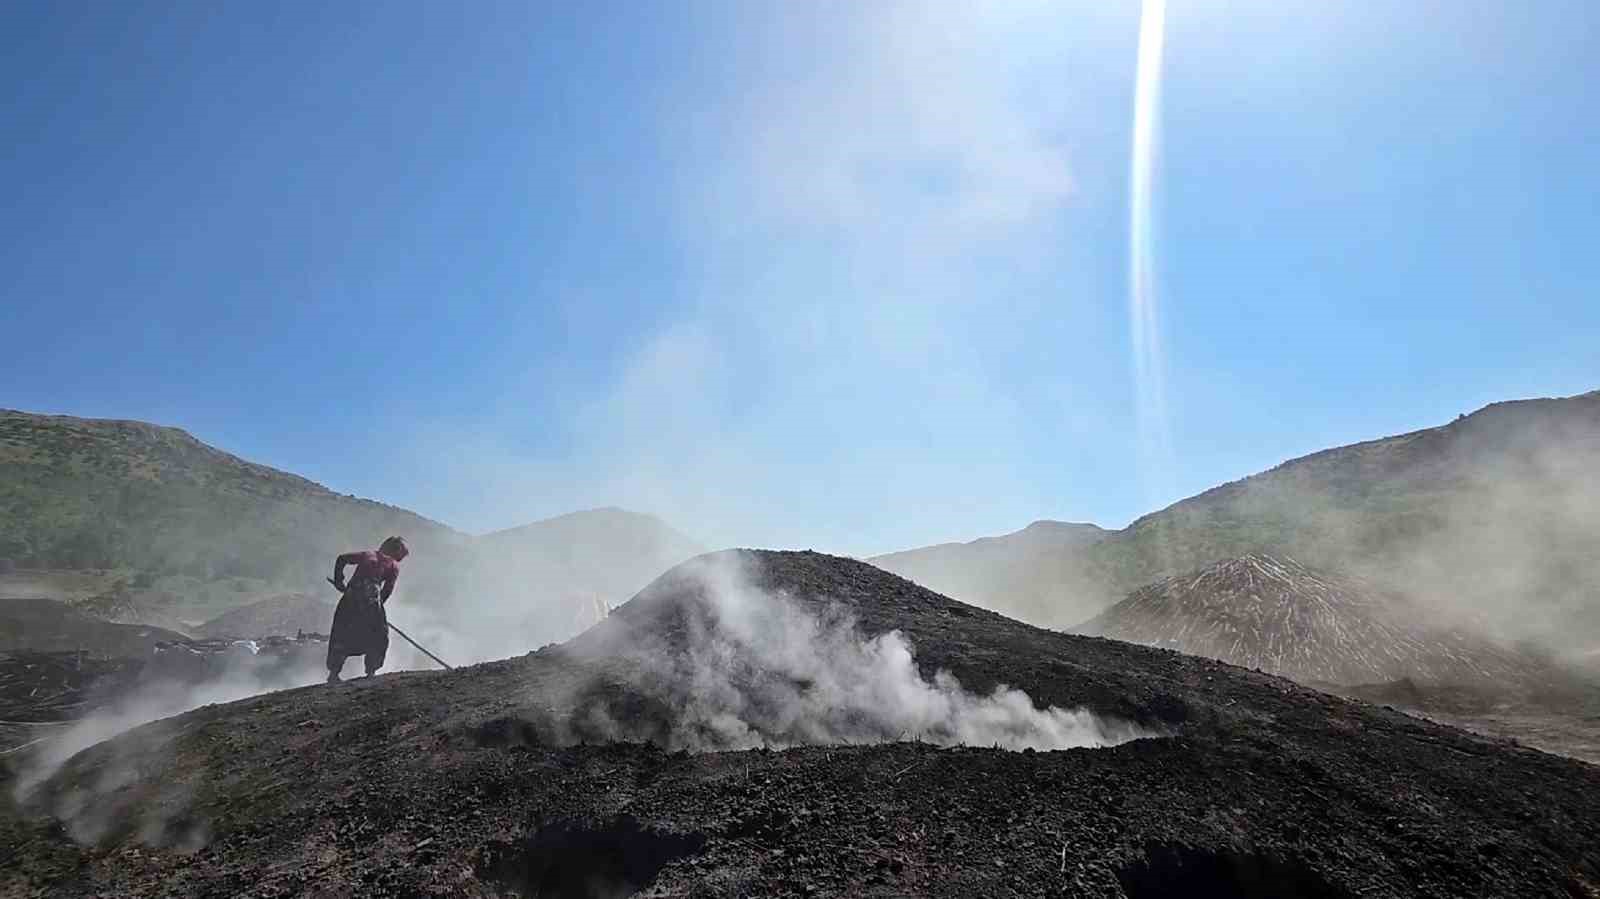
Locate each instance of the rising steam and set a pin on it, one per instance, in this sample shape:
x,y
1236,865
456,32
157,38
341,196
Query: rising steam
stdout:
x,y
83,811
756,668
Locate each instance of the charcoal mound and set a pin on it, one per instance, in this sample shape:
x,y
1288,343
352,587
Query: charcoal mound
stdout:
x,y
45,625
491,780
1272,613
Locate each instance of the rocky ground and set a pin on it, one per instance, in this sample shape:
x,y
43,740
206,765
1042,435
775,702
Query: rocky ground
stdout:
x,y
488,781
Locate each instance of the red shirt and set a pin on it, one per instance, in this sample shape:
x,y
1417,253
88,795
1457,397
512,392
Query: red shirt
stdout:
x,y
371,565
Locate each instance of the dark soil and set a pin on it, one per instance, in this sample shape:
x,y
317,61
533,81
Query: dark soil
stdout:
x,y
473,782
45,625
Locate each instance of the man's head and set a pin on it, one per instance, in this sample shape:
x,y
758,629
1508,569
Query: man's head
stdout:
x,y
394,548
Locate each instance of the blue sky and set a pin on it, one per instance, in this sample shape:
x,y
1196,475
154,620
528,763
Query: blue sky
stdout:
x,y
850,276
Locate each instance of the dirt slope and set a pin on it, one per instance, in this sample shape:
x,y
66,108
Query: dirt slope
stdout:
x,y
1258,611
473,783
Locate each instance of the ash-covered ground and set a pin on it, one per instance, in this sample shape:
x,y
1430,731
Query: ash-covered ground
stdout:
x,y
880,712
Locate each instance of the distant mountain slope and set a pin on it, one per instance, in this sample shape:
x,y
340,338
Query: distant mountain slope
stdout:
x,y
95,494
139,523
1496,513
989,570
612,551
506,592
518,589
1277,615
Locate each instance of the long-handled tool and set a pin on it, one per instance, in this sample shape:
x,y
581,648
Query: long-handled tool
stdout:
x,y
406,638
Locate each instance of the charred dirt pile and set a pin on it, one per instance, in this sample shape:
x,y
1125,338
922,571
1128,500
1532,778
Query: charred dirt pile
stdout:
x,y
1273,613
474,782
45,625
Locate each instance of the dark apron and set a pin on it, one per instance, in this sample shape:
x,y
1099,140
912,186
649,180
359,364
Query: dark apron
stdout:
x,y
360,624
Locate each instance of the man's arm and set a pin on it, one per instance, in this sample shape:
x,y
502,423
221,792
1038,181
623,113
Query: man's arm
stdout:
x,y
338,568
388,582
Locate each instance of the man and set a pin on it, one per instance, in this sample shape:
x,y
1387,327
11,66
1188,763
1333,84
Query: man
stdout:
x,y
360,625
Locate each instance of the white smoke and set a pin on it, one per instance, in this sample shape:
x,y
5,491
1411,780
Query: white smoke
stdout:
x,y
87,809
759,669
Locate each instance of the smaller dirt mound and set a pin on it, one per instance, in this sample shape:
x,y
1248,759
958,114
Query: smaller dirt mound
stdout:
x,y
1279,616
45,625
577,860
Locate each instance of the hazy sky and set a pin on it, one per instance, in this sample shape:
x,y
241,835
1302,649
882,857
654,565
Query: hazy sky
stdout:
x,y
843,275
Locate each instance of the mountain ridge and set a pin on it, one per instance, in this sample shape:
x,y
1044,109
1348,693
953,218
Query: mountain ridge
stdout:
x,y
1418,512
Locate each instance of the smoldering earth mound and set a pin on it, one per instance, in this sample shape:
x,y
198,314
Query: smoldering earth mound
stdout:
x,y
46,625
1273,613
1346,636
476,782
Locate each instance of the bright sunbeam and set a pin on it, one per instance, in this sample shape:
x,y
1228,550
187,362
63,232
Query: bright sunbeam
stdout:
x,y
1155,444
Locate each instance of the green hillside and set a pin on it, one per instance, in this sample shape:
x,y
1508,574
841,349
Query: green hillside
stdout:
x,y
133,522
170,524
79,493
1496,514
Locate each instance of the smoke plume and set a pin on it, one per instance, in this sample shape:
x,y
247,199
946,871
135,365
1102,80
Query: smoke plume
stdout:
x,y
88,809
749,667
